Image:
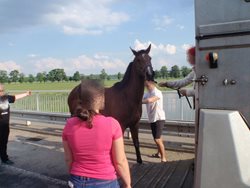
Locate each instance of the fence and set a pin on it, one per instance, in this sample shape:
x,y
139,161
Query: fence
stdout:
x,y
56,102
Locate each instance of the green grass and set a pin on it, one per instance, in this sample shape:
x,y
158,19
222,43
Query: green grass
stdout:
x,y
41,86
58,85
47,85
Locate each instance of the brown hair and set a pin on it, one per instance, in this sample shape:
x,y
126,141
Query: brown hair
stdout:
x,y
91,98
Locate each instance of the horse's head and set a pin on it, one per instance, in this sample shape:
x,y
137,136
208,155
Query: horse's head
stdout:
x,y
142,62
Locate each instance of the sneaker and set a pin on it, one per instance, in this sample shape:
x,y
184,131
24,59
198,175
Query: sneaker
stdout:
x,y
8,162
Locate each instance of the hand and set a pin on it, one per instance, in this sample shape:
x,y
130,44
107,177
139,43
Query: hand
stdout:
x,y
183,92
162,84
28,93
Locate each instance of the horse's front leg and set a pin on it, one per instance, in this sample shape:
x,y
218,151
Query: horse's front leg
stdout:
x,y
134,133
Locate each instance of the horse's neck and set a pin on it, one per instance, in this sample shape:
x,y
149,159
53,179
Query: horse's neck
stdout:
x,y
135,85
132,84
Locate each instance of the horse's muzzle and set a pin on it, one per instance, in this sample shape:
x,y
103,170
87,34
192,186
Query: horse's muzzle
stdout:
x,y
150,74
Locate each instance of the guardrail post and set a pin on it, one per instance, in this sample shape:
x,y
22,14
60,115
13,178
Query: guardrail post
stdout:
x,y
37,102
181,109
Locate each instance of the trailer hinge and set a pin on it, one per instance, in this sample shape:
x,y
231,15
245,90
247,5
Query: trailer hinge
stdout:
x,y
203,80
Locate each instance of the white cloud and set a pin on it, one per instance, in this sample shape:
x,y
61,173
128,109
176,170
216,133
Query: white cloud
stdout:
x,y
84,64
99,56
47,64
162,22
156,49
168,48
186,46
87,65
9,66
139,45
165,54
33,55
73,17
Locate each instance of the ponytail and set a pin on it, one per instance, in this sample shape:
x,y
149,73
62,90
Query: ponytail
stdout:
x,y
85,115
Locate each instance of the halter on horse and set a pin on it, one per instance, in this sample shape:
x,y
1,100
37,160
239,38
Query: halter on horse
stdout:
x,y
123,100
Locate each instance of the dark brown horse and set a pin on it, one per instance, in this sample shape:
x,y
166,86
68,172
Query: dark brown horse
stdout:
x,y
123,100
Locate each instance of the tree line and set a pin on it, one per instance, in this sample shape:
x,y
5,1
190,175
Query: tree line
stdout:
x,y
57,75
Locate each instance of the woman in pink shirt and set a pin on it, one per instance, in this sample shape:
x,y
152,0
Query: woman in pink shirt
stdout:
x,y
93,144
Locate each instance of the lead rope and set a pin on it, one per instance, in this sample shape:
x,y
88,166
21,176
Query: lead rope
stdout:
x,y
179,93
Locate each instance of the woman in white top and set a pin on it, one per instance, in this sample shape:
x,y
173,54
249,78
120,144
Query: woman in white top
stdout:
x,y
156,116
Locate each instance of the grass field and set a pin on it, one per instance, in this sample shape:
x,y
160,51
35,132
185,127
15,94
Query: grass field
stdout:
x,y
46,85
52,85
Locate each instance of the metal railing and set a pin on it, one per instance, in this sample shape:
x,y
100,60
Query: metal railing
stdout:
x,y
51,107
42,123
56,102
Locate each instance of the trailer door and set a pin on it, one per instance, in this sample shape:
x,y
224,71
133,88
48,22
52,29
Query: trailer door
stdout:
x,y
223,28
222,93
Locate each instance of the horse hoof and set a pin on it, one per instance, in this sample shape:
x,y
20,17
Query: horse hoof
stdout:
x,y
139,161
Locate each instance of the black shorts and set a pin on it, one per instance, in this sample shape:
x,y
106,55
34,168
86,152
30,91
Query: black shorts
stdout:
x,y
157,128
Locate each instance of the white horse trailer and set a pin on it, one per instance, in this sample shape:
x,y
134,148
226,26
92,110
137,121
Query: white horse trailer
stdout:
x,y
222,94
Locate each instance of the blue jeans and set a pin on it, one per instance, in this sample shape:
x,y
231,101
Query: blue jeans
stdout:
x,y
83,182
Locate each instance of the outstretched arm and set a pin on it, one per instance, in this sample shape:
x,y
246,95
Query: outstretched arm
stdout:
x,y
179,83
22,95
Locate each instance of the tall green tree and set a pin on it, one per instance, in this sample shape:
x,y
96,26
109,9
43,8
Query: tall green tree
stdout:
x,y
3,76
175,72
76,76
119,76
14,75
164,72
31,78
185,71
157,74
41,76
57,75
21,78
103,74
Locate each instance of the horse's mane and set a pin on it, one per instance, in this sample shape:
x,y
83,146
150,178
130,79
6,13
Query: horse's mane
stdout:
x,y
126,77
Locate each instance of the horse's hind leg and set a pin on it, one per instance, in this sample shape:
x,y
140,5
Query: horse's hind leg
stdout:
x,y
134,133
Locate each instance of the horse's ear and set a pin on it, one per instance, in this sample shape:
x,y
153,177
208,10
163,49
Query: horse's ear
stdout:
x,y
134,52
148,49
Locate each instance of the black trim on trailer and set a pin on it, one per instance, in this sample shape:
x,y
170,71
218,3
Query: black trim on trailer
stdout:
x,y
221,35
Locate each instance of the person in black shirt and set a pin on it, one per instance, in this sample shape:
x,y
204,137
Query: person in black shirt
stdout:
x,y
5,100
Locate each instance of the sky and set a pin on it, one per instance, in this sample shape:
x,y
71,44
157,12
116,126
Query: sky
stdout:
x,y
91,35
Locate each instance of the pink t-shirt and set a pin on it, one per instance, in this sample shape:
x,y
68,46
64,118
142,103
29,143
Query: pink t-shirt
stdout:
x,y
91,148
